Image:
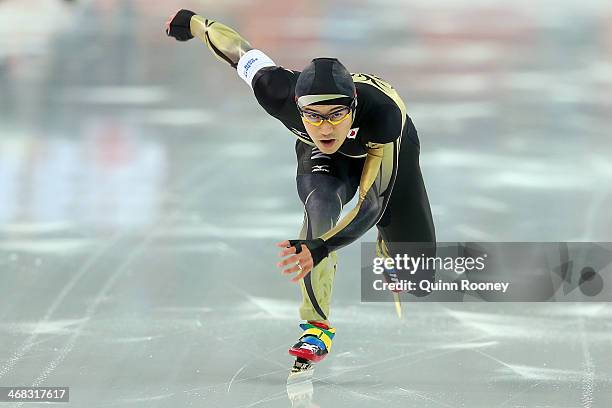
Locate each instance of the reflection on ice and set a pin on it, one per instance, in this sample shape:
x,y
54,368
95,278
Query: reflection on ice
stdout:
x,y
108,178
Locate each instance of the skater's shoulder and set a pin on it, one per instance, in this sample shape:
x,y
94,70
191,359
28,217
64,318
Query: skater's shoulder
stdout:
x,y
372,86
381,120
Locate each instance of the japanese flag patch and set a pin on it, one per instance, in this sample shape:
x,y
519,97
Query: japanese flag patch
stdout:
x,y
353,133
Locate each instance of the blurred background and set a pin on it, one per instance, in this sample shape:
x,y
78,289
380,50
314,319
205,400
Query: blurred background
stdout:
x,y
142,190
102,113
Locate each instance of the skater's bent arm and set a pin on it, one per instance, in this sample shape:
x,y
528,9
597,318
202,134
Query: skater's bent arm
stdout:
x,y
373,196
377,179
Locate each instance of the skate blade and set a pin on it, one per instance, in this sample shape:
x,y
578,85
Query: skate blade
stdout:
x,y
300,375
302,369
398,305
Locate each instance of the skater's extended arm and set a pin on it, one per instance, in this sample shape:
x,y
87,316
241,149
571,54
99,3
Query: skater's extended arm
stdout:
x,y
272,85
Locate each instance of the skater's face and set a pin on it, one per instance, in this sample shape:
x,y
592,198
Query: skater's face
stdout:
x,y
328,135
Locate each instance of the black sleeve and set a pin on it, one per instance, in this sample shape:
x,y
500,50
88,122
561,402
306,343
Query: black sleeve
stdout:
x,y
274,89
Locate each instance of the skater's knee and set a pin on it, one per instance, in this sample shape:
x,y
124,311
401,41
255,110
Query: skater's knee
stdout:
x,y
324,203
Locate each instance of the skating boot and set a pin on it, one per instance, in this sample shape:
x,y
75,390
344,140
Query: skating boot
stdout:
x,y
313,346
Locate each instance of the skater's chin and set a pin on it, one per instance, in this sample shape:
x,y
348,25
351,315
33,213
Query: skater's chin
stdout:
x,y
328,145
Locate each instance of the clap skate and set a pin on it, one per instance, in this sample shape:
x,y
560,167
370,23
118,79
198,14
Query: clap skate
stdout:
x,y
313,346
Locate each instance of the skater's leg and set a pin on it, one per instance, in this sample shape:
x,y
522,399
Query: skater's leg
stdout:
x,y
322,198
325,184
322,207
407,217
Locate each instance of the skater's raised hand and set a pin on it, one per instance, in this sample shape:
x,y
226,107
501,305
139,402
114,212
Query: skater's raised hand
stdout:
x,y
178,25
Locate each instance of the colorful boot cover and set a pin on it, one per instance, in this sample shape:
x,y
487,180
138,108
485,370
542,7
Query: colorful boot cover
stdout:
x,y
315,343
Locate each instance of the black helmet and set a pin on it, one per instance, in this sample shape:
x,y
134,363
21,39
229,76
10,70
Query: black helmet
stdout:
x,y
325,81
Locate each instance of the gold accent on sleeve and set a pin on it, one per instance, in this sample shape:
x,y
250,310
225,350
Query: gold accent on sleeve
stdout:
x,y
224,42
371,169
342,223
389,162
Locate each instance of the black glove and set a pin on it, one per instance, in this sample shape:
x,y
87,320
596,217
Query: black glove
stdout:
x,y
317,248
179,26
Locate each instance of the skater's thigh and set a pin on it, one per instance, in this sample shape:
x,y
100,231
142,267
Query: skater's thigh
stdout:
x,y
407,217
330,177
